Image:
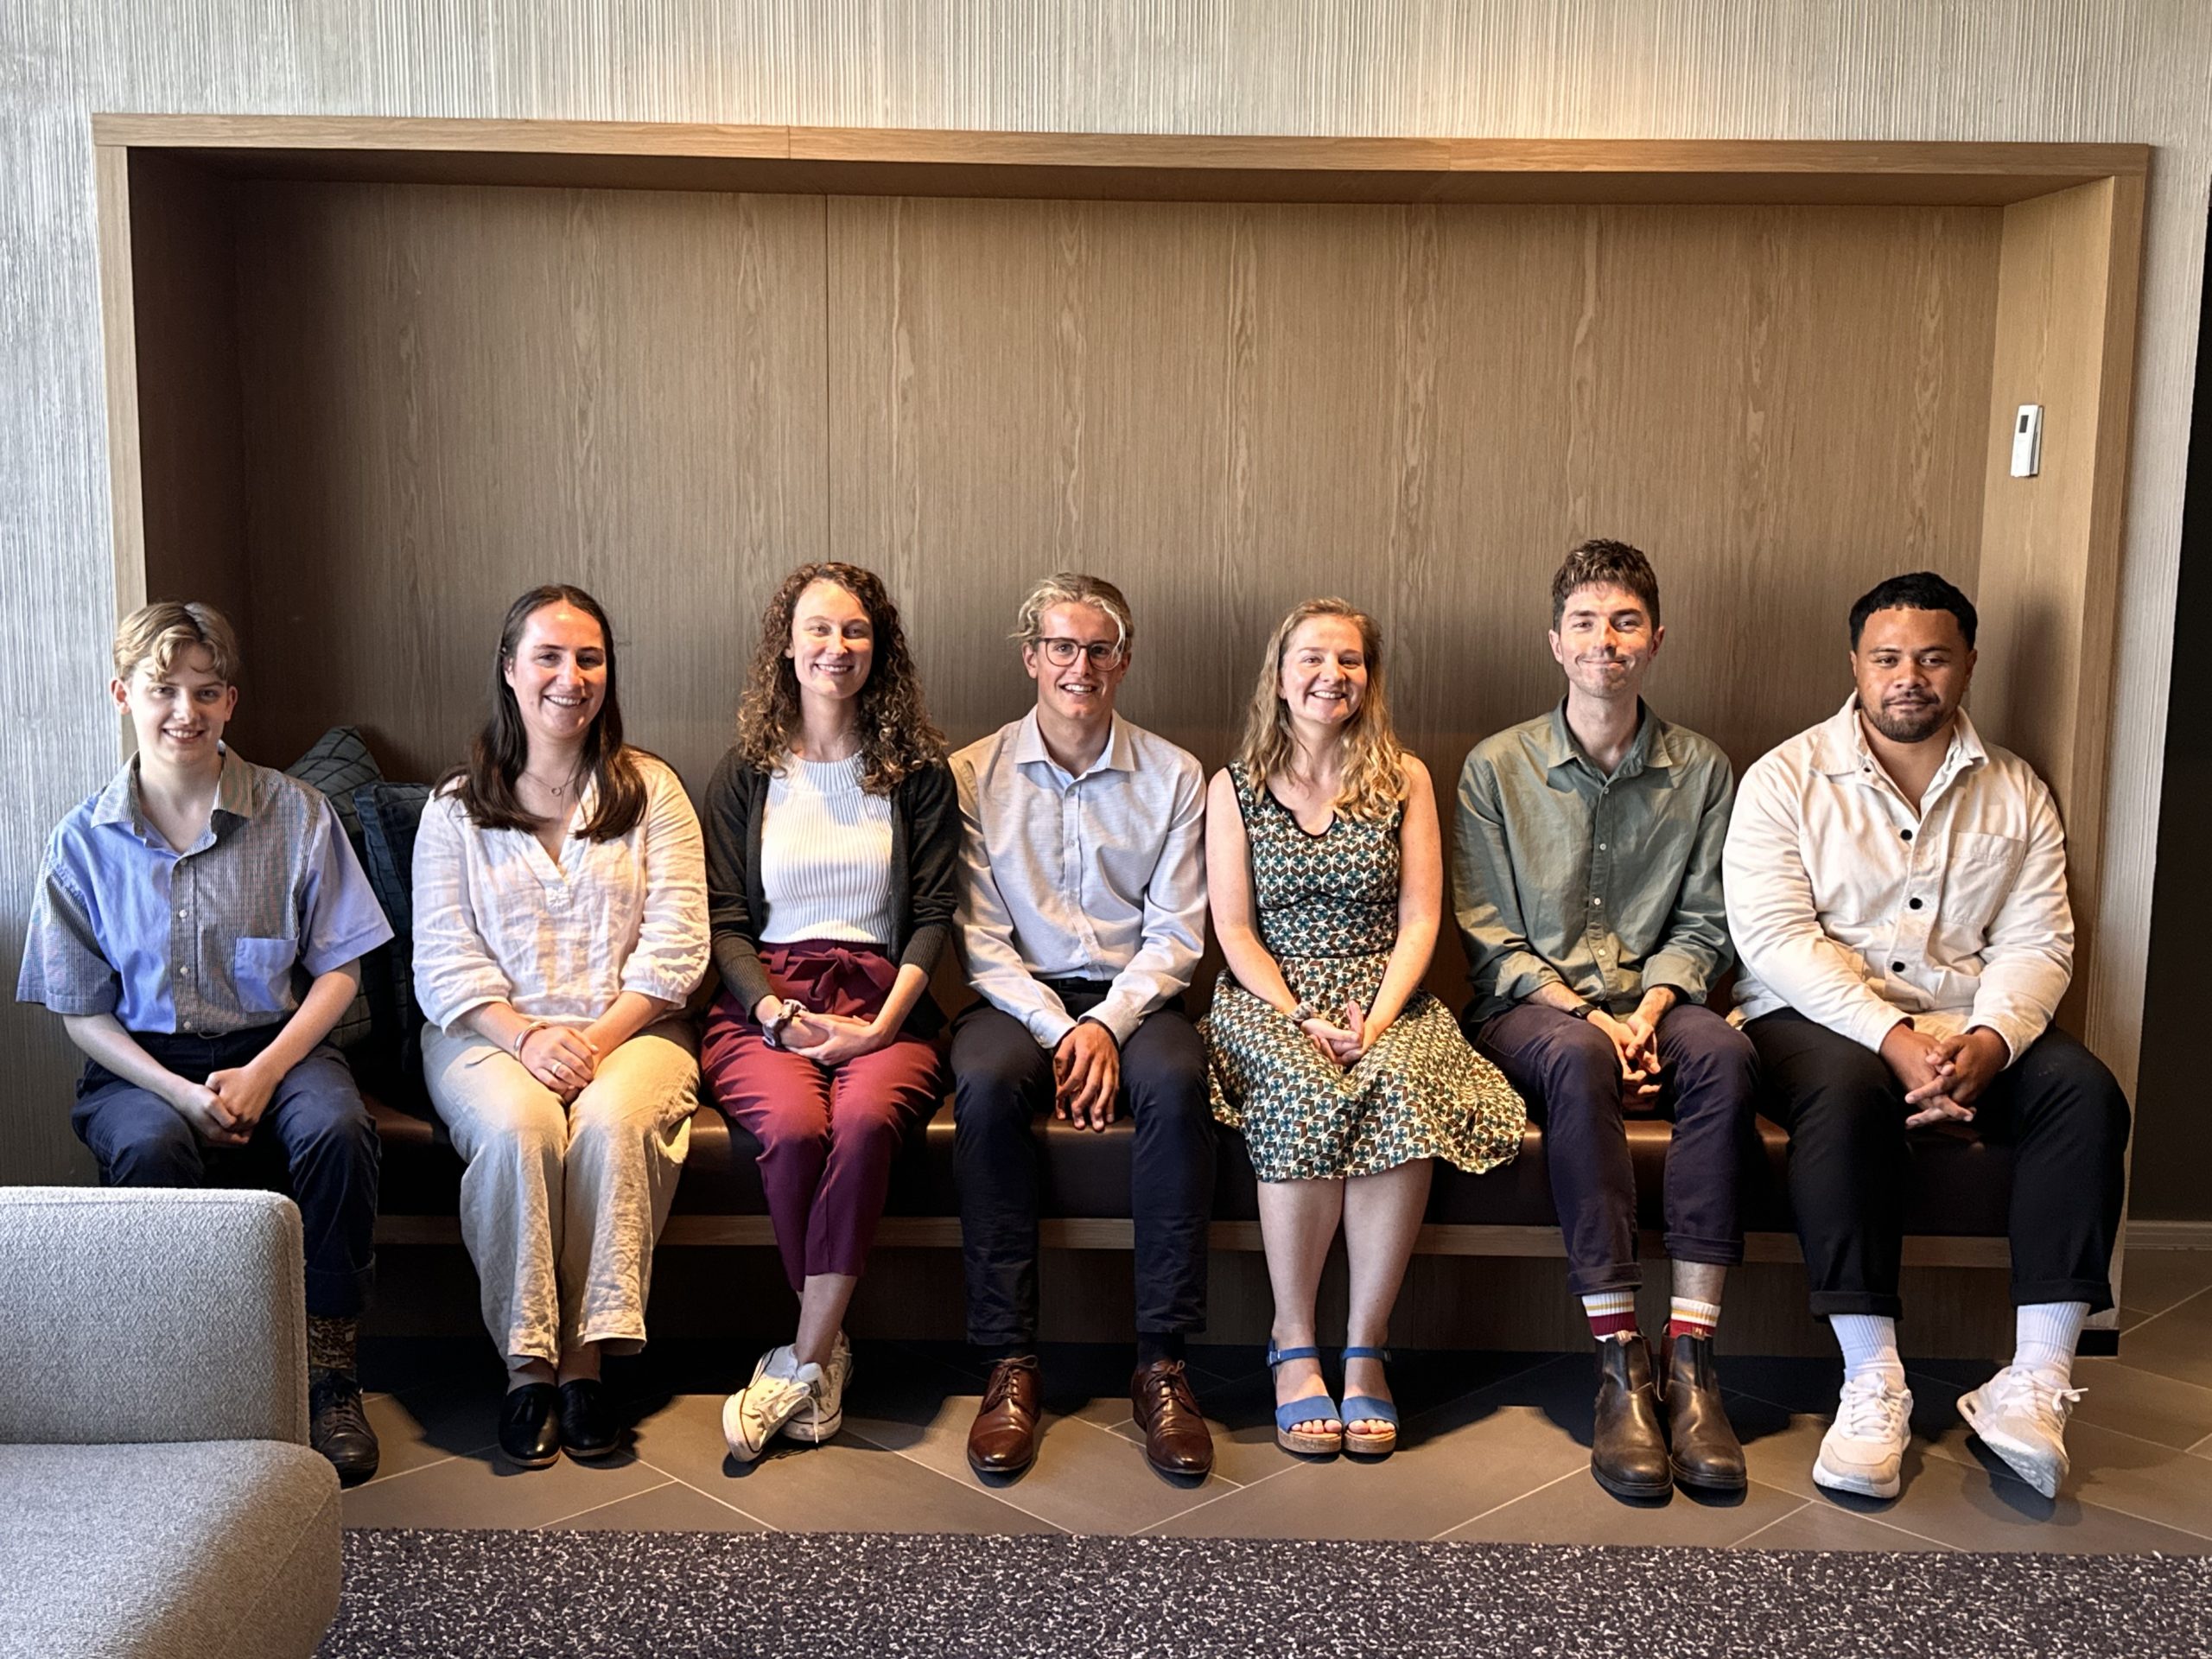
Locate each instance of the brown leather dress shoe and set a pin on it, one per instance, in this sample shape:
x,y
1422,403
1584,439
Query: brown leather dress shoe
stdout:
x,y
1003,1440
1176,1438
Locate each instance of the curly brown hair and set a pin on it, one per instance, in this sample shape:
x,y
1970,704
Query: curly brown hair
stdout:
x,y
896,739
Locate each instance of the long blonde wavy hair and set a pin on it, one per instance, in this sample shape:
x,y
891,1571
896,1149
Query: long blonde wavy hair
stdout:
x,y
1375,770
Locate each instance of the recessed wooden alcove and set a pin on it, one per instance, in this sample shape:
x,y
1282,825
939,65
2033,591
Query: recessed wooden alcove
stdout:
x,y
370,378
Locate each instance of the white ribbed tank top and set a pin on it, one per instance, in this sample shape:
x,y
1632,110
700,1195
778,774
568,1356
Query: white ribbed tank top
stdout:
x,y
825,856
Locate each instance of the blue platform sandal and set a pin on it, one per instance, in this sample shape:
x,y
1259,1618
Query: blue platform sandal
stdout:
x,y
1309,1408
1370,1442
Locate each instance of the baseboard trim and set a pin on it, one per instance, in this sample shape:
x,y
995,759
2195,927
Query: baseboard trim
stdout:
x,y
2169,1235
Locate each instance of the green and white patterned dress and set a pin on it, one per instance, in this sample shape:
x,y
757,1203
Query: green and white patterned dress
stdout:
x,y
1327,909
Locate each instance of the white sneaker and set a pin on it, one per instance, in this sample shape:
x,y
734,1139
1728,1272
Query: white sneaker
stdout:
x,y
1865,1446
828,1414
780,1389
2022,1418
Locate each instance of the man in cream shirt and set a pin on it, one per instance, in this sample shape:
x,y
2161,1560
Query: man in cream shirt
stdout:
x,y
1896,891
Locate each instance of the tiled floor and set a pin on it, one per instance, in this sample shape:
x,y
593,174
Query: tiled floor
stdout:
x,y
1496,1447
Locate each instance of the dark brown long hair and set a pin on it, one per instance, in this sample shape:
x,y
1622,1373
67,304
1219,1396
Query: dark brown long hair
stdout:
x,y
896,737
499,752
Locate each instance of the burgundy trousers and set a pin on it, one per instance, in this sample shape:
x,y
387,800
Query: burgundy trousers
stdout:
x,y
827,1134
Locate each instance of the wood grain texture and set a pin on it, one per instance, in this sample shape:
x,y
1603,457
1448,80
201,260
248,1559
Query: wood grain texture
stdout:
x,y
456,394
1515,69
2051,543
1111,165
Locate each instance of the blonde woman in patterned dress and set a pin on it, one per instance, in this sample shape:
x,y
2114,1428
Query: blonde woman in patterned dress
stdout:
x,y
1325,874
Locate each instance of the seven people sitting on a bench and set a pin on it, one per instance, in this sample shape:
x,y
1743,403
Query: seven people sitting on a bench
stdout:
x,y
1895,889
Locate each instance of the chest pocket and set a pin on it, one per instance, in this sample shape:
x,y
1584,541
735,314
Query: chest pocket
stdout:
x,y
261,968
1979,874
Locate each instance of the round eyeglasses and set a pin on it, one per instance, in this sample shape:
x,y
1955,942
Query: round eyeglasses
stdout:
x,y
1104,653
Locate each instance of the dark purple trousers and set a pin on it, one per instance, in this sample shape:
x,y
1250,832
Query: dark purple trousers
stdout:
x,y
1567,1071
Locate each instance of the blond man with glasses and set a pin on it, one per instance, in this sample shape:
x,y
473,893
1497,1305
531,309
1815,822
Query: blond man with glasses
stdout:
x,y
1082,899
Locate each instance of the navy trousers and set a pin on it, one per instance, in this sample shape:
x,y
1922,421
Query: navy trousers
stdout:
x,y
1570,1074
1002,1079
314,1143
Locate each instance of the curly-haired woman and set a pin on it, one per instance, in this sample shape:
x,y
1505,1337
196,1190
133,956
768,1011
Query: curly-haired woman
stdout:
x,y
833,839
1325,872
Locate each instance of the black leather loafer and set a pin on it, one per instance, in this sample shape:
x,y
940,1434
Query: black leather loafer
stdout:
x,y
529,1434
587,1425
338,1426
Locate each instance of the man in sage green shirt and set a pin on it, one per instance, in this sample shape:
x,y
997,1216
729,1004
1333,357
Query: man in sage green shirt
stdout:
x,y
1586,880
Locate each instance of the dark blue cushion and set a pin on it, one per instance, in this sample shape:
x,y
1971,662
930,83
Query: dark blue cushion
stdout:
x,y
389,814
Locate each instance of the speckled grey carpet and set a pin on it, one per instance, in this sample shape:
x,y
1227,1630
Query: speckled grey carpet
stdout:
x,y
666,1595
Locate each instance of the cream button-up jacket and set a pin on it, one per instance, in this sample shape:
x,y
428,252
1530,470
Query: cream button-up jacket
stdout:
x,y
1855,907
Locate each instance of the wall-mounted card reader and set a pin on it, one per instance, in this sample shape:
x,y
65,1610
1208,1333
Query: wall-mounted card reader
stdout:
x,y
2027,440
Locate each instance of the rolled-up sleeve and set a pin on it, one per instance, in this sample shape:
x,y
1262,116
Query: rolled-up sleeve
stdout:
x,y
1174,917
1485,900
455,971
1776,923
1696,947
2028,959
670,957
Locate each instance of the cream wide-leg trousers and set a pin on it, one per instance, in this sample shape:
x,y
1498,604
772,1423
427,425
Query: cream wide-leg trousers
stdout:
x,y
561,1206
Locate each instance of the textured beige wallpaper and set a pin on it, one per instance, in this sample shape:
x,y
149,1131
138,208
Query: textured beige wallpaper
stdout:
x,y
1917,69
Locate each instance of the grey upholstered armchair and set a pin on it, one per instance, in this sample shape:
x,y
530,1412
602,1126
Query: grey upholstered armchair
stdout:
x,y
157,1496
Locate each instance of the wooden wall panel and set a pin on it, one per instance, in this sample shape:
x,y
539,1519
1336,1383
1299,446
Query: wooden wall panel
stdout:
x,y
2066,318
457,393
1227,409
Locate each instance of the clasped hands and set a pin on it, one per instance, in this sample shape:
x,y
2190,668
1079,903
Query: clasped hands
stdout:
x,y
1344,1043
224,1110
1086,1075
1635,1038
825,1039
1943,1076
562,1058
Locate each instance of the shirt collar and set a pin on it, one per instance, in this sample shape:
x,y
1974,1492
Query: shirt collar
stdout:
x,y
1840,745
235,794
1118,755
1650,746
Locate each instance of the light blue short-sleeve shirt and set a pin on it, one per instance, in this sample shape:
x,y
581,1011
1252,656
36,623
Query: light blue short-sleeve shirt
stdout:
x,y
210,940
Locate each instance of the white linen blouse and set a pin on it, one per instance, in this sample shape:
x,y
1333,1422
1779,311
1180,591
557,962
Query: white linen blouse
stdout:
x,y
497,920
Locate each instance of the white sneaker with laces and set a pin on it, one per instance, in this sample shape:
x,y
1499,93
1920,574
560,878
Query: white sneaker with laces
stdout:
x,y
781,1389
1865,1446
828,1414
2021,1416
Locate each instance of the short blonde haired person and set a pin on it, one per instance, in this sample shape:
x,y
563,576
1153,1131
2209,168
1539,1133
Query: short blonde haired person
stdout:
x,y
1325,872
159,633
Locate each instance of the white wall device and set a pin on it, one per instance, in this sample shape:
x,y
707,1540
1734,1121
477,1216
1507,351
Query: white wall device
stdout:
x,y
2027,440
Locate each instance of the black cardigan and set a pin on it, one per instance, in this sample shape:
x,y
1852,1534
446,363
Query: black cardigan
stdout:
x,y
925,873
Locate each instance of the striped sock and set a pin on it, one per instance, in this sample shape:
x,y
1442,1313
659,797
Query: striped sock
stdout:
x,y
1613,1312
1686,1317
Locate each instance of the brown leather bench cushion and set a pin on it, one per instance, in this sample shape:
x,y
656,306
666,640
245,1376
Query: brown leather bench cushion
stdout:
x,y
1959,1186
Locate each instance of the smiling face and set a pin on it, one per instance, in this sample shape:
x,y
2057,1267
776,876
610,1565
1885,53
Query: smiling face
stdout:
x,y
1080,689
1912,669
1605,640
1322,677
558,674
832,644
178,715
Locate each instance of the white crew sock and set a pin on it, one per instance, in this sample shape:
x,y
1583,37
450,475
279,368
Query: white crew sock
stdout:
x,y
1870,1346
2045,1335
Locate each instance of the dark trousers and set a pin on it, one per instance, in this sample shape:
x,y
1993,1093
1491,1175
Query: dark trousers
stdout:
x,y
1850,1156
1570,1074
1002,1079
314,1143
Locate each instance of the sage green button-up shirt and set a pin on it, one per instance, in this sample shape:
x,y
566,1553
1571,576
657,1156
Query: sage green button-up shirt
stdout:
x,y
1609,884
